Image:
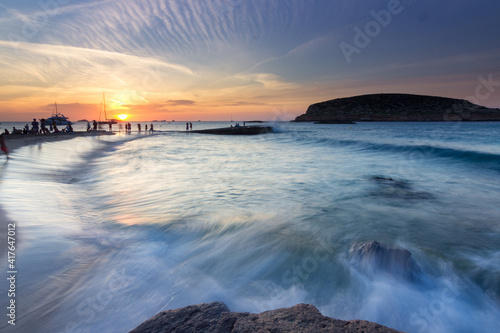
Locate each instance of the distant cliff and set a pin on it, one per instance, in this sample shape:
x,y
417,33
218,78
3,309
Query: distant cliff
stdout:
x,y
398,107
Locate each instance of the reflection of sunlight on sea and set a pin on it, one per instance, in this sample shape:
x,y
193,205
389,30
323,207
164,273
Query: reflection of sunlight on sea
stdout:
x,y
152,180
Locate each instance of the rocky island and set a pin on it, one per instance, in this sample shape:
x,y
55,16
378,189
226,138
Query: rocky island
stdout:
x,y
397,107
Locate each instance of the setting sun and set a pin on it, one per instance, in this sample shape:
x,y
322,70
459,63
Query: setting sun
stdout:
x,y
122,116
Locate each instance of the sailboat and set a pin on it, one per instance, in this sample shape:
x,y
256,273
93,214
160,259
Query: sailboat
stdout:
x,y
107,121
57,118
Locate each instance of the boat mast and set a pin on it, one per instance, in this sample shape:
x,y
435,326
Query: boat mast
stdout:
x,y
104,105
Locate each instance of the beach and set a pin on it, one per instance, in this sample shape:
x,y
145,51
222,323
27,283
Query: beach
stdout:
x,y
15,141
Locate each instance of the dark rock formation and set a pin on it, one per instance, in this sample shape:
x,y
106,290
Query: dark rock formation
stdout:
x,y
215,317
334,122
193,318
398,189
240,130
373,259
398,107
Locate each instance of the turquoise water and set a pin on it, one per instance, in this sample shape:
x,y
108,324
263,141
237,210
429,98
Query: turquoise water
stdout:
x,y
111,230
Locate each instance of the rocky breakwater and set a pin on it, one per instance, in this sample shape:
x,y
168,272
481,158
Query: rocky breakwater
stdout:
x,y
398,107
215,317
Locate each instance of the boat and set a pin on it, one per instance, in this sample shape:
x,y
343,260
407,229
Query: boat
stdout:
x,y
107,121
57,118
236,130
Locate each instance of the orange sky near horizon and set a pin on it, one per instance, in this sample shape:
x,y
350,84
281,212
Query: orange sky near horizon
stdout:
x,y
178,109
281,104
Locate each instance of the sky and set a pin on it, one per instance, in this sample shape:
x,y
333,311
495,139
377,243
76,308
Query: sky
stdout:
x,y
239,59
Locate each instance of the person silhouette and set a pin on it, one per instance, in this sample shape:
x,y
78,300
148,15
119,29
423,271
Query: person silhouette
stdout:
x,y
34,125
3,145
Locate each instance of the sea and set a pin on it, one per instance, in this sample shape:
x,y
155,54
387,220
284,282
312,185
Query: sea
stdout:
x,y
106,231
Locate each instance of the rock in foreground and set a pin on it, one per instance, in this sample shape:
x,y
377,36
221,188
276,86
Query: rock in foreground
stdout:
x,y
373,258
398,107
215,317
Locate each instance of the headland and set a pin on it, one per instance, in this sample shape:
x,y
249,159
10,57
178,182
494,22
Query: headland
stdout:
x,y
397,107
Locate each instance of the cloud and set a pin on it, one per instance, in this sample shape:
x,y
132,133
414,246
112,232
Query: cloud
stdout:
x,y
244,103
67,69
182,102
268,81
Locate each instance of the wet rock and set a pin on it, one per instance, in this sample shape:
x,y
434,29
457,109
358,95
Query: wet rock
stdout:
x,y
194,318
375,259
241,130
215,317
398,189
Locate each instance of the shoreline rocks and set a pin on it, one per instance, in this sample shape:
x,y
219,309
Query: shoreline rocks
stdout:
x,y
240,130
374,259
215,317
398,107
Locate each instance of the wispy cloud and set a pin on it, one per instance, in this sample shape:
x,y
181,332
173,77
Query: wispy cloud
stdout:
x,y
68,67
177,102
245,103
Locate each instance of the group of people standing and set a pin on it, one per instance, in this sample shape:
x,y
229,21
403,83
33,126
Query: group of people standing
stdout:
x,y
189,126
128,128
40,128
